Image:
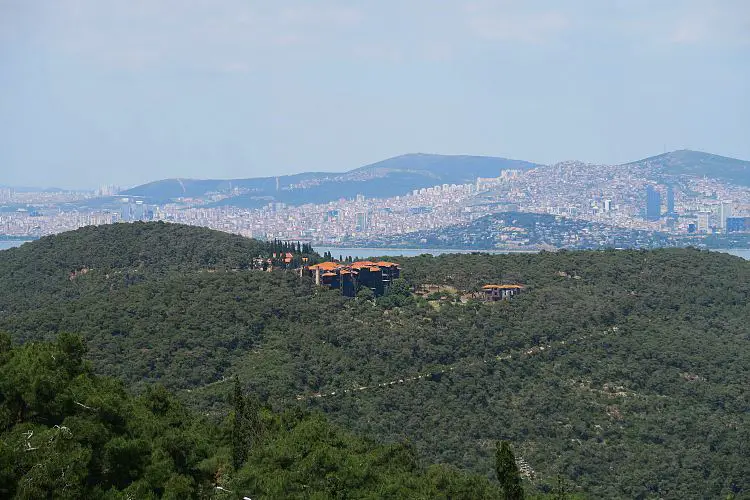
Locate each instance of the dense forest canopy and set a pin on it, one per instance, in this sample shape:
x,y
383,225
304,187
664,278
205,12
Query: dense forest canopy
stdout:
x,y
619,373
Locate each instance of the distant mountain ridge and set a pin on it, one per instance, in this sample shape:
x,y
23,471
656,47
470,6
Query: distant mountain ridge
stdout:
x,y
391,177
37,189
402,174
698,163
452,169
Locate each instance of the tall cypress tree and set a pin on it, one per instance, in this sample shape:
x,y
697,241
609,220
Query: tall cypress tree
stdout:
x,y
239,431
507,472
247,425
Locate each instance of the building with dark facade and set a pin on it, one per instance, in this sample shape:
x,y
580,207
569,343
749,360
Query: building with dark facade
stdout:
x,y
670,202
738,224
350,278
653,203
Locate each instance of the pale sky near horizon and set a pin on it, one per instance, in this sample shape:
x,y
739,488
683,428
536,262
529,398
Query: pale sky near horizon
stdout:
x,y
124,92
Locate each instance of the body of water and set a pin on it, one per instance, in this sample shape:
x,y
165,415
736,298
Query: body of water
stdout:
x,y
366,253
739,252
5,244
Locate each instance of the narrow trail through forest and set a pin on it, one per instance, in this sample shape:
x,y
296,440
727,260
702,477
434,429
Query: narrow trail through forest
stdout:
x,y
450,369
503,356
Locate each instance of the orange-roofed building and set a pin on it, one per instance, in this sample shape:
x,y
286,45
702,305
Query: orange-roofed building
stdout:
x,y
326,266
350,278
362,263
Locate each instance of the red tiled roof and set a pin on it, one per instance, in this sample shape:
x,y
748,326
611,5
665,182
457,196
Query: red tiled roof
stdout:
x,y
362,263
326,266
383,263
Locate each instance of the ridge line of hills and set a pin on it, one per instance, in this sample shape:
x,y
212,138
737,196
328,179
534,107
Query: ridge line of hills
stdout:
x,y
402,174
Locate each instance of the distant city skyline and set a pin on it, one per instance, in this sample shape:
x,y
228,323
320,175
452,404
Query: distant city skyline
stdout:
x,y
104,92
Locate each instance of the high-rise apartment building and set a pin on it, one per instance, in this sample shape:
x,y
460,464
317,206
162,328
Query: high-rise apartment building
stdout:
x,y
126,214
704,221
725,211
361,224
670,201
138,210
653,203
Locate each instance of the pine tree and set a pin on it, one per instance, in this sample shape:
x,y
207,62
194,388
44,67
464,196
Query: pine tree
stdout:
x,y
507,472
239,432
560,491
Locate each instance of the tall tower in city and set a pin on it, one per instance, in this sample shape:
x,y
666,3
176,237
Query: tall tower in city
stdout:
x,y
725,210
361,224
704,221
138,212
670,202
126,211
653,203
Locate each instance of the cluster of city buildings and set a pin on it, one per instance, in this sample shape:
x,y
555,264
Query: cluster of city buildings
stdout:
x,y
710,216
623,196
615,196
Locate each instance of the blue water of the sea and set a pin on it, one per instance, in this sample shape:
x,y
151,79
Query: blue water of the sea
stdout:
x,y
739,252
366,253
5,244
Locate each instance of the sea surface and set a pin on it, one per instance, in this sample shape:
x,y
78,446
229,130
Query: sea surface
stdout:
x,y
366,253
5,244
739,252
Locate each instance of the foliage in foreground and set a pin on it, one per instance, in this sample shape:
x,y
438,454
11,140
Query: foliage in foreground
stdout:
x,y
66,433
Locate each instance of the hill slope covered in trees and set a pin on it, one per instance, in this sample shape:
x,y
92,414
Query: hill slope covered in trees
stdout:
x,y
623,372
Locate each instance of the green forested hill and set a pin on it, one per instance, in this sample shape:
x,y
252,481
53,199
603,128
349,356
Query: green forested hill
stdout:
x,y
625,373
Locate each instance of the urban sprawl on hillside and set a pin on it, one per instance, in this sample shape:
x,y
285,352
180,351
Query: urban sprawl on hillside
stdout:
x,y
618,197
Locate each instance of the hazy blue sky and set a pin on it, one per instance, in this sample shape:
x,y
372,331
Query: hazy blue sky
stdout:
x,y
98,91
